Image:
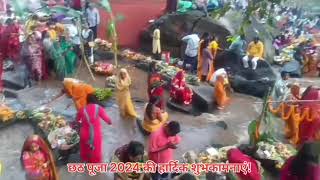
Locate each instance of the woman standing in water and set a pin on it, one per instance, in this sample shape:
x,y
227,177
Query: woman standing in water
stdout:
x,y
37,160
126,106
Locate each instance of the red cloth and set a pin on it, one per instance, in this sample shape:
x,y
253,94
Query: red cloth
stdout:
x,y
159,140
86,153
156,92
236,156
9,43
179,92
308,130
313,172
77,4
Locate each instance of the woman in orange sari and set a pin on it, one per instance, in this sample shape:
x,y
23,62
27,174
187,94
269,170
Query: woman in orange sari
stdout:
x,y
220,93
78,91
37,160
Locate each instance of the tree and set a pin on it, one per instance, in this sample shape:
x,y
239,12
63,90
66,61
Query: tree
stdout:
x,y
261,8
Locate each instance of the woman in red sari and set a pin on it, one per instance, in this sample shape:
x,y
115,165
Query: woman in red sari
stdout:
x,y
180,93
37,160
10,44
303,166
309,130
90,131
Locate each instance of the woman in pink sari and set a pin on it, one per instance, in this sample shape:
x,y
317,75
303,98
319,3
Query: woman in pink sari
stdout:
x,y
303,166
180,93
90,131
37,160
32,53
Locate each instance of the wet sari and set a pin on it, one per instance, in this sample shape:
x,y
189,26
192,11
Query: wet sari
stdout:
x,y
38,164
179,92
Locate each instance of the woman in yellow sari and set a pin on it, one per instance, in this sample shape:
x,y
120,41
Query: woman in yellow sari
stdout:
x,y
78,91
125,104
154,118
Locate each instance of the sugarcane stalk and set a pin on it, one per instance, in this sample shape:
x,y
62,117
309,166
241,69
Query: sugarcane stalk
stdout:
x,y
82,49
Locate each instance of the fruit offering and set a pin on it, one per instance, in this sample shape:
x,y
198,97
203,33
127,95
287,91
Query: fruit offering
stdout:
x,y
103,68
6,113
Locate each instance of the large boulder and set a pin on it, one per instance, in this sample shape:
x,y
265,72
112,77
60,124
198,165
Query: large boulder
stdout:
x,y
247,81
174,26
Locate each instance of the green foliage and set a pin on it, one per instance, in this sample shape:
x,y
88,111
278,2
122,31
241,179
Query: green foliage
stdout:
x,y
216,14
251,131
103,94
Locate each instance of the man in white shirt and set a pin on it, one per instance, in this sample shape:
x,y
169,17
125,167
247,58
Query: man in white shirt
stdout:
x,y
191,53
93,18
87,36
74,35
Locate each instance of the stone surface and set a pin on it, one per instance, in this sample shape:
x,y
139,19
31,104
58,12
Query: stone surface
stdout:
x,y
175,26
247,81
12,80
203,98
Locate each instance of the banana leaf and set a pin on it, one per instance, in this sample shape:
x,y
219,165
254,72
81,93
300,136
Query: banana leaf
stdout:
x,y
251,131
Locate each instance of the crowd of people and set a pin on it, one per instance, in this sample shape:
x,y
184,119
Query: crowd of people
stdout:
x,y
47,44
300,32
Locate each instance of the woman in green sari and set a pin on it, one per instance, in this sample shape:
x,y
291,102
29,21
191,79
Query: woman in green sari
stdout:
x,y
59,61
69,54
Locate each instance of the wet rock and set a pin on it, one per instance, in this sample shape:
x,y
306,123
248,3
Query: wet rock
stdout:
x,y
174,26
203,98
222,124
12,80
247,81
180,107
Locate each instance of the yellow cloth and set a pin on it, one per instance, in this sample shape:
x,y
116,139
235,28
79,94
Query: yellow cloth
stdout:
x,y
154,125
79,92
156,46
60,29
214,45
125,104
53,34
29,25
256,49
